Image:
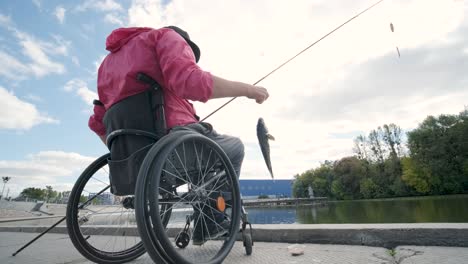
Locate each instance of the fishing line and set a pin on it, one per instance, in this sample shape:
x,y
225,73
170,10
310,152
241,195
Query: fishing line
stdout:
x,y
302,51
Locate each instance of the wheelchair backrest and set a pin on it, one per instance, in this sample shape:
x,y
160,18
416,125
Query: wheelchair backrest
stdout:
x,y
133,125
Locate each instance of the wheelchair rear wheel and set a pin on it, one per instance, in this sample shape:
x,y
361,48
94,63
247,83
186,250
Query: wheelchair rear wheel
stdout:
x,y
101,225
189,174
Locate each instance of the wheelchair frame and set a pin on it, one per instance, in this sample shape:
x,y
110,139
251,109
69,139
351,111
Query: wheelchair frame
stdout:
x,y
149,222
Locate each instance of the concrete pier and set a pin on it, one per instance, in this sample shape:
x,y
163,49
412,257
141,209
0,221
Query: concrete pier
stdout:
x,y
376,235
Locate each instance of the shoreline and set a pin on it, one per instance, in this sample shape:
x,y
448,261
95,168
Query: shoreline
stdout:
x,y
374,235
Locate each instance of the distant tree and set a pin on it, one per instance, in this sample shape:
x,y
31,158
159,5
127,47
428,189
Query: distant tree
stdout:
x,y
83,199
337,190
376,146
34,193
361,147
439,152
417,176
434,161
299,190
380,154
368,188
322,178
392,136
348,174
50,193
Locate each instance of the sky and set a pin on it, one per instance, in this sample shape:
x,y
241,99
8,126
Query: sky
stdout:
x,y
348,84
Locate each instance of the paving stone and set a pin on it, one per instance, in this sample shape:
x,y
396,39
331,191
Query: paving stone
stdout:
x,y
431,255
57,248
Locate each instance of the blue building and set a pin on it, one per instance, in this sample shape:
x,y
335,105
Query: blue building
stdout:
x,y
252,189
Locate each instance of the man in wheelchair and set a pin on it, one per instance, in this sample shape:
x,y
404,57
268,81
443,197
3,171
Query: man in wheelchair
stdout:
x,y
169,57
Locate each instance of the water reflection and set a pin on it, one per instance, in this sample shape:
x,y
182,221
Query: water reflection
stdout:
x,y
402,210
283,215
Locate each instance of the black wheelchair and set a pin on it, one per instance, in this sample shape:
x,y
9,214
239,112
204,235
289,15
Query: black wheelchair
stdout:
x,y
185,200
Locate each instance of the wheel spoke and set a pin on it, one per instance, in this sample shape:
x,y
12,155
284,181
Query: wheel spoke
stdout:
x,y
201,167
98,228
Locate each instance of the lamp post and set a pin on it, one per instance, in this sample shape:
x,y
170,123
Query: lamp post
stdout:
x,y
5,180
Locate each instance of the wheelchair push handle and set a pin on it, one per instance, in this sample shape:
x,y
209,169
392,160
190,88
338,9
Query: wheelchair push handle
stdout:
x,y
142,77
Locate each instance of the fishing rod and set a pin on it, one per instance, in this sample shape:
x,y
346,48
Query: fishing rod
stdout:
x,y
302,51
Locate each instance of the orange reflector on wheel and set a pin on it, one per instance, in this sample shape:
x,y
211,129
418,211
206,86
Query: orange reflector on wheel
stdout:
x,y
221,203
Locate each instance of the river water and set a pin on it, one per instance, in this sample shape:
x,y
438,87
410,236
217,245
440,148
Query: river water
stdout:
x,y
431,209
445,209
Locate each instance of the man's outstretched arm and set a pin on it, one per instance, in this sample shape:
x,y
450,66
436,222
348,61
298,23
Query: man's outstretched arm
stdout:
x,y
225,88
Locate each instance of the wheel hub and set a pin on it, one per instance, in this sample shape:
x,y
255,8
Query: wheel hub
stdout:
x,y
128,202
202,195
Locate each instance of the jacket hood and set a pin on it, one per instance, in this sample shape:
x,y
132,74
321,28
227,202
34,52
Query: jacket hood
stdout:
x,y
121,36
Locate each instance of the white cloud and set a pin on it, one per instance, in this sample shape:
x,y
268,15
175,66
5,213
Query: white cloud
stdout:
x,y
269,32
33,98
98,63
38,52
141,10
41,64
18,114
80,88
56,168
61,159
87,95
86,30
59,46
38,4
5,21
75,60
60,14
104,6
74,85
12,68
113,18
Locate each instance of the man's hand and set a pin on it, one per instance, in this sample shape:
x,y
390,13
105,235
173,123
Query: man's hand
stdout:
x,y
258,93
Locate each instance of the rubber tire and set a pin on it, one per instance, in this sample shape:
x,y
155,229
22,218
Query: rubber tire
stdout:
x,y
73,228
247,239
153,234
143,217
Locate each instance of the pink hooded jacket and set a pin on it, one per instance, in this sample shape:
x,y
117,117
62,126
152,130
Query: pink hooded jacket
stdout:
x,y
160,53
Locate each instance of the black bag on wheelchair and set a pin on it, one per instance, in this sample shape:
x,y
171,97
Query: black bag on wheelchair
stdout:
x,y
133,125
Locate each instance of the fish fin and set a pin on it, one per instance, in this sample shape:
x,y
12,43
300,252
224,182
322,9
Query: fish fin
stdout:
x,y
270,137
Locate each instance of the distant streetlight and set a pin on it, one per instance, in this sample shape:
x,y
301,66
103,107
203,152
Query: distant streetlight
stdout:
x,y
5,180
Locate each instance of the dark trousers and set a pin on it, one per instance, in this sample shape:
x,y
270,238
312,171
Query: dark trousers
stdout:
x,y
232,146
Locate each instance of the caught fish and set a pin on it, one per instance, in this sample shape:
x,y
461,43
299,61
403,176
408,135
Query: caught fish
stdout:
x,y
263,137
